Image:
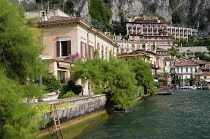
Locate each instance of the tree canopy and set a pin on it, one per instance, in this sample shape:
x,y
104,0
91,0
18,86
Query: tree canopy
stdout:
x,y
144,75
16,117
118,77
18,51
19,64
100,14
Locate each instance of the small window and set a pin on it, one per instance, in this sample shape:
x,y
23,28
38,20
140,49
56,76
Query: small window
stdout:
x,y
63,48
83,50
61,76
187,70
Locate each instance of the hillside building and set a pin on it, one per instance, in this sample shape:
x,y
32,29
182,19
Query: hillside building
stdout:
x,y
156,32
64,36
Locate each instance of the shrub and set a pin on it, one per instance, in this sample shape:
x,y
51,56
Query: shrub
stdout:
x,y
69,94
176,17
51,83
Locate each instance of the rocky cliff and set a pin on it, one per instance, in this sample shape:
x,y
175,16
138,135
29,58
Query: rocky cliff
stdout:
x,y
189,12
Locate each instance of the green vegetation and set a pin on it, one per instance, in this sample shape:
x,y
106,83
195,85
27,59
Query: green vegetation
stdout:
x,y
70,88
69,94
108,77
51,83
202,56
120,27
193,41
18,53
100,15
174,52
176,17
69,6
144,76
51,1
20,66
14,115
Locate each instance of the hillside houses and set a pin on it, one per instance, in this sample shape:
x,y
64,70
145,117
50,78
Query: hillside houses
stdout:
x,y
64,36
156,32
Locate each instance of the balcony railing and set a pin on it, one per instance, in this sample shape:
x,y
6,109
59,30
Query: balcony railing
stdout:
x,y
153,66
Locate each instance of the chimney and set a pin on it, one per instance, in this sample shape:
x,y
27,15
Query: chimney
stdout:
x,y
48,14
44,17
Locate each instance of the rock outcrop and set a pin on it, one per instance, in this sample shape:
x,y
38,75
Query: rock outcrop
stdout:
x,y
193,12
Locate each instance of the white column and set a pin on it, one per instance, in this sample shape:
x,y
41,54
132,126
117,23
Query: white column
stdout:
x,y
187,34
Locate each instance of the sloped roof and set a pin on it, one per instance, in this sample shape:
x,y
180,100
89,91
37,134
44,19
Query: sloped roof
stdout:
x,y
168,59
202,73
161,50
60,20
184,63
200,61
163,54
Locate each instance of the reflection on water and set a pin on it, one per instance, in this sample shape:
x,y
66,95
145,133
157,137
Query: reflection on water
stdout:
x,y
183,115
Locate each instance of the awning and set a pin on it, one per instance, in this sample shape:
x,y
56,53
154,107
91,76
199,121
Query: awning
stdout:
x,y
63,65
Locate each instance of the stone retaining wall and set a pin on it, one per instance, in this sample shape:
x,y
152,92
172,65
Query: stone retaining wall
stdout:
x,y
76,107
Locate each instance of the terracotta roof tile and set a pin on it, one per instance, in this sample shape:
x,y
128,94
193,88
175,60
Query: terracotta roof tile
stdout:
x,y
163,54
203,73
184,63
55,19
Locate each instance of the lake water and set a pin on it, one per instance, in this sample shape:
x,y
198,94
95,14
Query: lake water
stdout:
x,y
183,115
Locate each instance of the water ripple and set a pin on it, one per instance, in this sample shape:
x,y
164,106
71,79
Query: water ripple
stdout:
x,y
183,115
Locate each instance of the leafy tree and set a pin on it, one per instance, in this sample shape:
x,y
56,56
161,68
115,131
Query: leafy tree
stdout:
x,y
122,83
202,56
16,117
120,27
18,52
144,75
164,74
69,6
98,11
176,17
19,63
174,52
97,24
203,24
108,74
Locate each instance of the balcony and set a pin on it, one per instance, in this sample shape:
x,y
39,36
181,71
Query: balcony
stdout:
x,y
154,66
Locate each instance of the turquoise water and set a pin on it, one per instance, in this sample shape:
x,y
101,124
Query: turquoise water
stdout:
x,y
183,115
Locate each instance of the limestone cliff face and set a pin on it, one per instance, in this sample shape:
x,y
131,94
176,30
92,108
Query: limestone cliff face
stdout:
x,y
131,8
192,11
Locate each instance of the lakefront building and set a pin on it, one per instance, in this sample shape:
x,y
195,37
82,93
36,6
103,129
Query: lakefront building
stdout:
x,y
185,69
67,36
156,32
130,46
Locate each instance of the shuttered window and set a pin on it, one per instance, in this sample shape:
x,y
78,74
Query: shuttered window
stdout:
x,y
90,52
83,49
63,48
